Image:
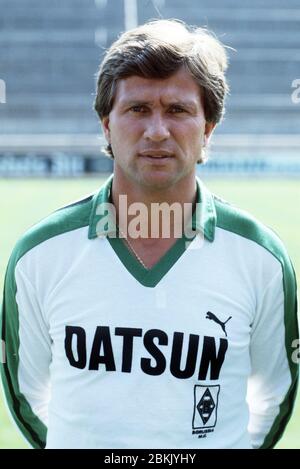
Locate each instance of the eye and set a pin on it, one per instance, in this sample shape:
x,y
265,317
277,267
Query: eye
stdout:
x,y
139,108
176,109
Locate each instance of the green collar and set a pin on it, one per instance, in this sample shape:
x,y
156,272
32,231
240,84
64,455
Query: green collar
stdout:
x,y
203,220
102,224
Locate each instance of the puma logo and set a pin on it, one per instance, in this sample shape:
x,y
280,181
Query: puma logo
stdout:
x,y
212,317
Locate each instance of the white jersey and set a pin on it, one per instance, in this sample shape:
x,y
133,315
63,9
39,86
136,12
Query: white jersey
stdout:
x,y
195,352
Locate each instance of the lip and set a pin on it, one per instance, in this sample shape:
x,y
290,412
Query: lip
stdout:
x,y
157,157
158,160
156,154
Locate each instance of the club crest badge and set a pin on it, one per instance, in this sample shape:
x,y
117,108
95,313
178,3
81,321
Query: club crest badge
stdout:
x,y
205,406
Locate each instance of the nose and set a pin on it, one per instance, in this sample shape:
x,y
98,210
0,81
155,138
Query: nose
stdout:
x,y
156,129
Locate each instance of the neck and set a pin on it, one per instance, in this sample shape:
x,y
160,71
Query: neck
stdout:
x,y
181,193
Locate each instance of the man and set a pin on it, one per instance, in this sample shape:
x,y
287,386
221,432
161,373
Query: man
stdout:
x,y
117,336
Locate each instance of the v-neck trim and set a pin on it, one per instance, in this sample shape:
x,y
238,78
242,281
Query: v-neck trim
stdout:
x,y
149,277
202,221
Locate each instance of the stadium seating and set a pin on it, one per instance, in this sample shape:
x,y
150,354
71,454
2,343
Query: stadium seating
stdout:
x,y
49,54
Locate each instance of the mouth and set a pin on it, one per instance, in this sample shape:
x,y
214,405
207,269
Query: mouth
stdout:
x,y
156,157
158,161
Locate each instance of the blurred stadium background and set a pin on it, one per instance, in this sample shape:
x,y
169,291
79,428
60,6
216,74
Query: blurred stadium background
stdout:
x,y
50,138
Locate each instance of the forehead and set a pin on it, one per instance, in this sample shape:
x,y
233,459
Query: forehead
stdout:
x,y
181,85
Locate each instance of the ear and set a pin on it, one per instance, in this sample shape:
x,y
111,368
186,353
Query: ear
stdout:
x,y
105,127
209,128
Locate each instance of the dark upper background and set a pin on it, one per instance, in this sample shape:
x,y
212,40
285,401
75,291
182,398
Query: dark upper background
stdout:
x,y
50,51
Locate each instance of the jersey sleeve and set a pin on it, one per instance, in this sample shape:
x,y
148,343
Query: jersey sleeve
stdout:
x,y
26,356
274,378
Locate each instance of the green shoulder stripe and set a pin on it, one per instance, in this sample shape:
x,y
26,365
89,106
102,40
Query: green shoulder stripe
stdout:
x,y
239,222
64,220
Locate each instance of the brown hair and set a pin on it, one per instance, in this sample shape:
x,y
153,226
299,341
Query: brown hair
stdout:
x,y
158,49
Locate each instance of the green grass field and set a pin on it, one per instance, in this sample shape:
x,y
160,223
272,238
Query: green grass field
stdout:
x,y
24,202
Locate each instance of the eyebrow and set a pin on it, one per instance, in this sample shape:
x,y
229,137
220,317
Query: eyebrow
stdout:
x,y
138,102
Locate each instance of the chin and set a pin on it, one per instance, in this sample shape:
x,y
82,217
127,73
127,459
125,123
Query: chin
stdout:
x,y
158,181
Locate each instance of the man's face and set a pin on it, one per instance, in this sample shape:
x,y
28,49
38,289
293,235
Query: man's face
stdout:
x,y
156,129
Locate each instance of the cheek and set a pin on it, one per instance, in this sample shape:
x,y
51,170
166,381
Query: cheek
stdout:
x,y
126,125
190,134
125,135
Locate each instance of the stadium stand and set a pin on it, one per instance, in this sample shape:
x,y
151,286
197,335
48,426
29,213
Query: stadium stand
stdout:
x,y
50,51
